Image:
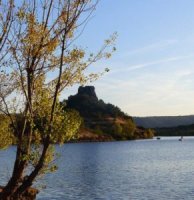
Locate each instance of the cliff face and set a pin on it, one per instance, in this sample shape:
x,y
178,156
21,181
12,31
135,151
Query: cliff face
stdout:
x,y
103,119
87,90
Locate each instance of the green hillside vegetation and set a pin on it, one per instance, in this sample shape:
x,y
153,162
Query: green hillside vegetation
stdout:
x,y
104,119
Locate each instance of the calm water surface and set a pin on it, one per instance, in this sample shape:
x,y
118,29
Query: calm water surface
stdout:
x,y
136,170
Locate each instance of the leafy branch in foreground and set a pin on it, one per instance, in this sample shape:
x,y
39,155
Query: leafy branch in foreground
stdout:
x,y
39,59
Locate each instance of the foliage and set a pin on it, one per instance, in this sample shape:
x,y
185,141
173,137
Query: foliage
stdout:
x,y
125,130
97,129
149,133
6,136
39,59
66,124
128,129
117,130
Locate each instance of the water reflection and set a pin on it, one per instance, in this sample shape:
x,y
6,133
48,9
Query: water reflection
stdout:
x,y
135,170
89,167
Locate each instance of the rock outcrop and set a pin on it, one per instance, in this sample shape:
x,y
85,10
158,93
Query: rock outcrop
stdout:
x,y
87,90
104,120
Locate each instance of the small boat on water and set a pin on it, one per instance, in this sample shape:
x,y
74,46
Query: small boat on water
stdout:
x,y
158,138
181,139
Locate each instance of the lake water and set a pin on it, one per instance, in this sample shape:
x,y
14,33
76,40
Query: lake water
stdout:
x,y
134,170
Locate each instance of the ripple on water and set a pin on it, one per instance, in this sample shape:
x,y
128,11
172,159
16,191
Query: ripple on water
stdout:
x,y
135,170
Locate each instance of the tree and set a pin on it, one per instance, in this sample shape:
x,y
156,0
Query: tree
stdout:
x,y
149,133
129,129
117,130
39,59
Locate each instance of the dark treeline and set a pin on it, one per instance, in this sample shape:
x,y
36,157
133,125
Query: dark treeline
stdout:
x,y
164,121
176,131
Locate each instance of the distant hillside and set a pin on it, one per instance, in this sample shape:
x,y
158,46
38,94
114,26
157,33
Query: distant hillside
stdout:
x,y
103,120
176,131
164,121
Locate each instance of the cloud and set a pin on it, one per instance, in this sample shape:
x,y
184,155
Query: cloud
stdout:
x,y
151,47
166,93
152,63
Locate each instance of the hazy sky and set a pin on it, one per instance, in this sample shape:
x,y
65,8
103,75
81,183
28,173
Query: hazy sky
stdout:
x,y
152,72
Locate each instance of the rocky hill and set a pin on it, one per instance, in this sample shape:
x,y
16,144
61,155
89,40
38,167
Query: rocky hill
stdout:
x,y
103,121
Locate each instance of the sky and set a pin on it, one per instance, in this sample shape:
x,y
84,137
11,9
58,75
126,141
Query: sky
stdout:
x,y
152,71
